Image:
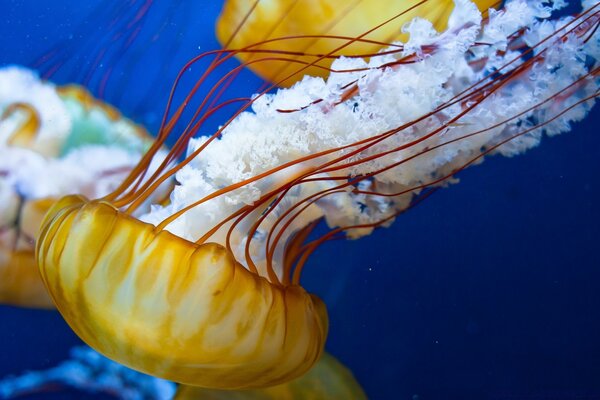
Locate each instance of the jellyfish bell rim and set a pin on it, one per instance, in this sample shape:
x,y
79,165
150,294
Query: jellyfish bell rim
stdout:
x,y
251,333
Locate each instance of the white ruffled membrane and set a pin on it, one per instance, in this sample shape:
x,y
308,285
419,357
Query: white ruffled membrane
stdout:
x,y
542,98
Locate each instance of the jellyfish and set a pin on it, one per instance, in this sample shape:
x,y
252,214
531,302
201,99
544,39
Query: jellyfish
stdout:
x,y
320,27
53,141
205,289
48,128
328,379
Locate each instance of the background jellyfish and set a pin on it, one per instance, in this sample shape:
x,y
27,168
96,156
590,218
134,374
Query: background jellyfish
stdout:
x,y
53,141
304,23
472,314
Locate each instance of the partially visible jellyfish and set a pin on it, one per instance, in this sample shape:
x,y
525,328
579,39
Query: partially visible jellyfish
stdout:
x,y
316,32
46,129
328,379
53,141
205,290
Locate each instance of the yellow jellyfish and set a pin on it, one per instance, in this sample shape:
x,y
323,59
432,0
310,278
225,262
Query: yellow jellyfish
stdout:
x,y
49,137
328,379
317,31
170,307
205,290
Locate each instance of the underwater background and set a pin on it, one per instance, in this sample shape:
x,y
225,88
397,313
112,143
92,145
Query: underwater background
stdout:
x,y
490,289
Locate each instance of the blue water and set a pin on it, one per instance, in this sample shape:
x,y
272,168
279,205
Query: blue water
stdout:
x,y
487,290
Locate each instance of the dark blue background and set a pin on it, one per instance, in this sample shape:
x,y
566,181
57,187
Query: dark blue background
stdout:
x,y
487,290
